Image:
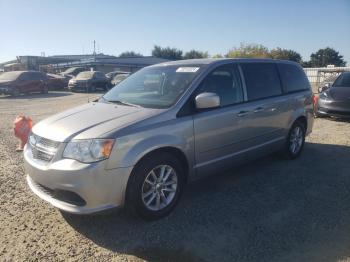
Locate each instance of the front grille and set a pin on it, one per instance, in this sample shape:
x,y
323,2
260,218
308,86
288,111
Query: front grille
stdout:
x,y
37,154
62,195
42,148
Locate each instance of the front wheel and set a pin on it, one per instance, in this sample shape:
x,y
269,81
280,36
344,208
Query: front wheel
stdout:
x,y
155,186
295,140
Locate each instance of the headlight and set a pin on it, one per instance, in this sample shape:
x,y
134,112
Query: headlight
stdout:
x,y
88,151
324,96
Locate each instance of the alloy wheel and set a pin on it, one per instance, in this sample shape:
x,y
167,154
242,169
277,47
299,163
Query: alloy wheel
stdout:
x,y
159,187
296,140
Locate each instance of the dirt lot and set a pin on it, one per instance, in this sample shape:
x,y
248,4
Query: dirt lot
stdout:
x,y
269,210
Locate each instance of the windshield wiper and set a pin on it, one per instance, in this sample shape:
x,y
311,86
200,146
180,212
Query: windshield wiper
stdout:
x,y
119,102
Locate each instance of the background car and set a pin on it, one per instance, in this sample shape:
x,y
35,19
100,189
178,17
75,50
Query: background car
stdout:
x,y
57,82
335,101
327,83
73,71
118,78
111,75
16,82
89,81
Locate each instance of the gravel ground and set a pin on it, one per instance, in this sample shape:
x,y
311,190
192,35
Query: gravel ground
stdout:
x,y
269,210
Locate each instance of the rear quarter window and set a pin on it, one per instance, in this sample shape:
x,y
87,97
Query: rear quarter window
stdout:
x,y
293,78
262,80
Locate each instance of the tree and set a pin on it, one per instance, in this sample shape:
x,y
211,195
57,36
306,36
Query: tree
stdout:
x,y
218,56
306,64
195,54
326,56
285,54
249,51
130,54
167,53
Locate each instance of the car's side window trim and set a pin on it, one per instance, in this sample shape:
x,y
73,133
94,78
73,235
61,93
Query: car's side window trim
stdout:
x,y
244,86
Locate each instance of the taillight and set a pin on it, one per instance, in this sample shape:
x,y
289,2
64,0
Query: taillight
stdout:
x,y
314,100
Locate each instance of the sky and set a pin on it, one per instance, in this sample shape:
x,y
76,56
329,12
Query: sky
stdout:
x,y
30,27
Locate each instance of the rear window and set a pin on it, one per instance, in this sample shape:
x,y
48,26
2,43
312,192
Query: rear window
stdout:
x,y
293,78
262,80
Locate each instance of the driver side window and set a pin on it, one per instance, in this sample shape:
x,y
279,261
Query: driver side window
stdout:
x,y
225,82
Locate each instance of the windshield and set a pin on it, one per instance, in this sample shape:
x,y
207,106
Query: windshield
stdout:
x,y
70,70
85,75
343,80
154,87
10,76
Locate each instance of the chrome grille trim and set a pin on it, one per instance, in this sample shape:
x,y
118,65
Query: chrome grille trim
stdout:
x,y
42,148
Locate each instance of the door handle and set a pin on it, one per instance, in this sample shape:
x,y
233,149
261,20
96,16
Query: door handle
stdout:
x,y
242,113
258,109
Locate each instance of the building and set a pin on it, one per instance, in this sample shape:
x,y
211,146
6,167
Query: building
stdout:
x,y
98,62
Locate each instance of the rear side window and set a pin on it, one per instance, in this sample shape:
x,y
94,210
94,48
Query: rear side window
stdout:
x,y
293,78
262,80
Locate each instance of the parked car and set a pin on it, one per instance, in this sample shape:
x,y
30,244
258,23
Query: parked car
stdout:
x,y
335,101
57,82
17,82
111,75
73,71
327,83
138,147
89,81
118,78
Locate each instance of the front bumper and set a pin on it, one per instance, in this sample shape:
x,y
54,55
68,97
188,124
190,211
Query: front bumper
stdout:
x,y
100,189
79,85
5,90
333,108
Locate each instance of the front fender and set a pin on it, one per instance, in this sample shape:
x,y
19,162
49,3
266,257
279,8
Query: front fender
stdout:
x,y
128,152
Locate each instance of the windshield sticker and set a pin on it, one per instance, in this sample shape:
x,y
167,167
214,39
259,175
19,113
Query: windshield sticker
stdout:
x,y
187,69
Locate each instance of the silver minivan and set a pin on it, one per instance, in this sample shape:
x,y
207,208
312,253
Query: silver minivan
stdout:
x,y
141,142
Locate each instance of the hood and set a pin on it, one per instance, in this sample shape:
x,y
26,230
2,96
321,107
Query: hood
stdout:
x,y
339,93
93,120
5,82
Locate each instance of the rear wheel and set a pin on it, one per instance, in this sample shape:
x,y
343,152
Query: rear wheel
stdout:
x,y
295,140
155,186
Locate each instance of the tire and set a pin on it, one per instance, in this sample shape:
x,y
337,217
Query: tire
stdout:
x,y
90,89
295,140
45,89
15,92
167,192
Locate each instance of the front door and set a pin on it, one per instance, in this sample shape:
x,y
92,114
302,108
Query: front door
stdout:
x,y
220,133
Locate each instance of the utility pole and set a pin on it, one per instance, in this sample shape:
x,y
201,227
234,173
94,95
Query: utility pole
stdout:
x,y
94,50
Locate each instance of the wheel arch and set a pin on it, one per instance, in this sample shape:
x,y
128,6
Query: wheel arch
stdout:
x,y
180,155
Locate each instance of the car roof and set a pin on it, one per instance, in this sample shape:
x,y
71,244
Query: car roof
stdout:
x,y
208,61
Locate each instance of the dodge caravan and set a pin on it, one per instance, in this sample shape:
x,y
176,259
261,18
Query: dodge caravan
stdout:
x,y
142,141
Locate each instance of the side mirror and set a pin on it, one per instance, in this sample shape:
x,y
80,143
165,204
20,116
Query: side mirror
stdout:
x,y
207,100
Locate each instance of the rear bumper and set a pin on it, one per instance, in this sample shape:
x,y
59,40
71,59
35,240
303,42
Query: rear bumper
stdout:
x,y
86,188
